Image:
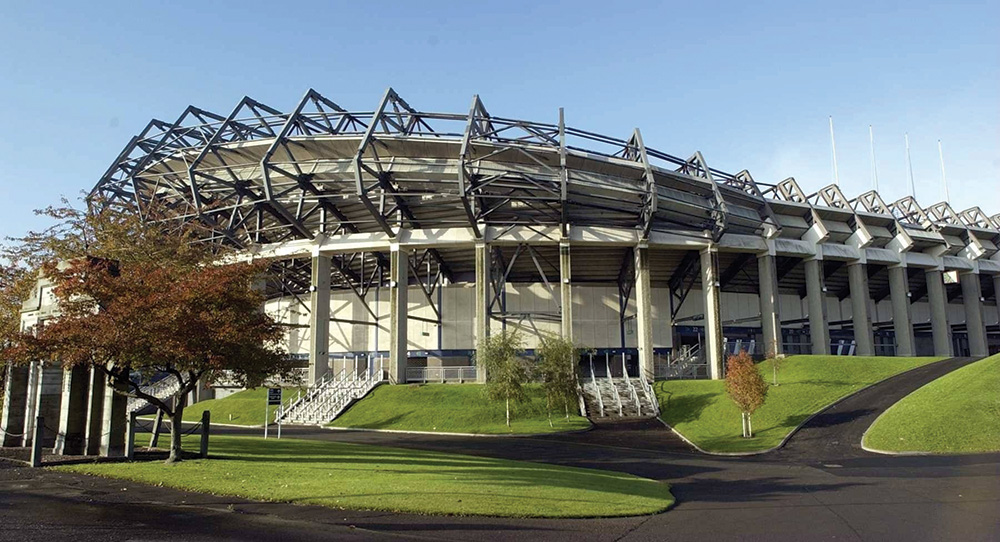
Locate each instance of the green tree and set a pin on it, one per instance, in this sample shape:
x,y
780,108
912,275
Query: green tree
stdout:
x,y
506,369
557,363
746,387
137,298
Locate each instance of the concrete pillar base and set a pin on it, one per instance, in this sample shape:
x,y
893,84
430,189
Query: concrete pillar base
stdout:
x,y
15,401
713,315
857,275
72,413
816,298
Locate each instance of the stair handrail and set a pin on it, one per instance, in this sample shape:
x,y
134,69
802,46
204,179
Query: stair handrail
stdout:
x,y
597,390
618,398
631,388
647,390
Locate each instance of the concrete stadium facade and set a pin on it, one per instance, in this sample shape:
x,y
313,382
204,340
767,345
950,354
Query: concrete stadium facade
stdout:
x,y
398,239
407,236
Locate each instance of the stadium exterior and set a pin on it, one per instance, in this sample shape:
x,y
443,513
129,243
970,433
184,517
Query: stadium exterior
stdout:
x,y
401,237
408,231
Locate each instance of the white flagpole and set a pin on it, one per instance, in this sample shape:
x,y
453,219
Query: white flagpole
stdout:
x,y
944,176
909,165
871,138
833,144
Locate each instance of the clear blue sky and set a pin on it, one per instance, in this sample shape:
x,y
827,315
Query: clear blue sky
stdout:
x,y
749,85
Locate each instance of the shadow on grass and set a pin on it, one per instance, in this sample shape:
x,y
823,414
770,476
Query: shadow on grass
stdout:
x,y
685,408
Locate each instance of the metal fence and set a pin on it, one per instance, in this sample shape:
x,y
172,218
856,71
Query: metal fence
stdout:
x,y
441,374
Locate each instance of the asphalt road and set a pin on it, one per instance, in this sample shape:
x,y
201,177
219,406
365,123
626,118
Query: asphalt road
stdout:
x,y
820,486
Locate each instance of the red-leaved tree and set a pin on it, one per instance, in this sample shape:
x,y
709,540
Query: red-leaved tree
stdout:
x,y
137,299
746,387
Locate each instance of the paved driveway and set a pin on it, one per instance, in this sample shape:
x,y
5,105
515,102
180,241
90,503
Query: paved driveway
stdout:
x,y
821,486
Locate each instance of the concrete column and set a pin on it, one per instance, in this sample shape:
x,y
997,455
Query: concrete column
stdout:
x,y
938,300
398,284
713,315
47,397
95,411
996,294
319,318
114,421
565,291
816,299
972,294
857,276
899,294
770,319
15,401
72,412
31,403
483,297
644,313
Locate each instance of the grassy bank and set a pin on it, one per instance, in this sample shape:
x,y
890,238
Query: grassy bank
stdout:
x,y
702,412
456,408
957,413
241,408
361,477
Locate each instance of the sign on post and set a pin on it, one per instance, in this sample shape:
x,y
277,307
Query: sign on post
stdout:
x,y
273,398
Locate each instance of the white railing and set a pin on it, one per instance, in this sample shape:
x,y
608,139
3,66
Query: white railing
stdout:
x,y
329,396
647,390
611,381
683,364
597,390
441,374
161,389
631,389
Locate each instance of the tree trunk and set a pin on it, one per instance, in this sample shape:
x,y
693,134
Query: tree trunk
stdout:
x,y
743,421
775,369
508,412
177,426
176,430
749,427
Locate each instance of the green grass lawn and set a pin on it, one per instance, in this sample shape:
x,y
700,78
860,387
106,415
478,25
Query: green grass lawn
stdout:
x,y
455,408
702,412
957,413
363,477
246,408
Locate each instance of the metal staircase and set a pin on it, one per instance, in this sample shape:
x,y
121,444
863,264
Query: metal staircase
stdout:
x,y
622,397
685,364
161,389
329,397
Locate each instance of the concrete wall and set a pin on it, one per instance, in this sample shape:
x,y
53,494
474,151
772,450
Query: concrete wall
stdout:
x,y
595,317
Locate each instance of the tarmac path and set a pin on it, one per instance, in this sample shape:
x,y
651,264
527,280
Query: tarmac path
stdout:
x,y
821,485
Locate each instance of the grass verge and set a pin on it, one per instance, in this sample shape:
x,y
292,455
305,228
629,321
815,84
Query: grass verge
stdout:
x,y
454,408
362,477
245,408
702,412
957,413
